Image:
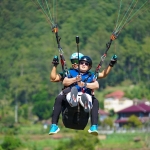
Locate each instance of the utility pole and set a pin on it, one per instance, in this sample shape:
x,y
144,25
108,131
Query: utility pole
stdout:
x,y
16,107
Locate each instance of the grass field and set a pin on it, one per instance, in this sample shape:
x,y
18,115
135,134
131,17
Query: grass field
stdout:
x,y
34,137
125,141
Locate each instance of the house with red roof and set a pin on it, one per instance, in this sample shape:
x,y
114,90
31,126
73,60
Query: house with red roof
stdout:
x,y
141,110
116,95
116,101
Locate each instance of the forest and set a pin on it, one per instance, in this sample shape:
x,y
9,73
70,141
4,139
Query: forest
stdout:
x,y
28,45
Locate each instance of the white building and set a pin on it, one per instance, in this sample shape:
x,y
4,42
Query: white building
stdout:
x,y
116,101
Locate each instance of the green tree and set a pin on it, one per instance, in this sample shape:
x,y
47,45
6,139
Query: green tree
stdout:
x,y
111,113
1,148
23,111
8,121
107,122
27,46
140,91
43,109
133,121
11,143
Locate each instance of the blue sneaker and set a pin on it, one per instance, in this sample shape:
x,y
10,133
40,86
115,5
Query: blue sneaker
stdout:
x,y
54,129
93,130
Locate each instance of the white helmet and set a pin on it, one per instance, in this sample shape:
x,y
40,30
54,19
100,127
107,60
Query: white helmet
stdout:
x,y
75,56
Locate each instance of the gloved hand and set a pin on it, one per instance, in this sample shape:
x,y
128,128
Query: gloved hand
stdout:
x,y
55,60
113,60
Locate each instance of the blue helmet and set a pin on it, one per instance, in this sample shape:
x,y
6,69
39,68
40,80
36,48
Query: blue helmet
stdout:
x,y
87,59
75,56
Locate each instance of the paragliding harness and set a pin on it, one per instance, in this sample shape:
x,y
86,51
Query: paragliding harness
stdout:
x,y
75,117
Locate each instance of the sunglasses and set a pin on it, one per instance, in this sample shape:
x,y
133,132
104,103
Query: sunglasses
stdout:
x,y
74,61
83,62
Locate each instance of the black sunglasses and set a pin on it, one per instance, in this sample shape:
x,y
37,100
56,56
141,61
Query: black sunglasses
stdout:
x,y
74,61
84,62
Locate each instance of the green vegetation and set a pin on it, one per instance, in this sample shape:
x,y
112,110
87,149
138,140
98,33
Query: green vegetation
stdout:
x,y
34,137
11,143
107,122
134,121
82,140
27,47
123,141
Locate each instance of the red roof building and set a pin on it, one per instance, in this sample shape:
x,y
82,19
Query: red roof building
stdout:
x,y
136,108
115,95
116,101
141,110
102,112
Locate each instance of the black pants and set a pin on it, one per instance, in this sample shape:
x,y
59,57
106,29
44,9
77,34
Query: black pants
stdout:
x,y
58,107
94,111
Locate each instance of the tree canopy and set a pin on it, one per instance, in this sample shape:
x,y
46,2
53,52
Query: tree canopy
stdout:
x,y
27,45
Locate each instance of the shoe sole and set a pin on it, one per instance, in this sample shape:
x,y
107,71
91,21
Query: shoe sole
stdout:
x,y
85,102
93,132
51,133
74,93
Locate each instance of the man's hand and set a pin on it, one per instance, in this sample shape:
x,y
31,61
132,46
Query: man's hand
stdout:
x,y
113,60
55,60
78,78
81,84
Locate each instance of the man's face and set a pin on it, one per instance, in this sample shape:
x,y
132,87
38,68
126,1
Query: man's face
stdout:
x,y
74,63
75,66
84,66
